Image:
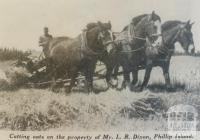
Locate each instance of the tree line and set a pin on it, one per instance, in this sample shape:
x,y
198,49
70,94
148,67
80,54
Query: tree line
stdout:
x,y
12,54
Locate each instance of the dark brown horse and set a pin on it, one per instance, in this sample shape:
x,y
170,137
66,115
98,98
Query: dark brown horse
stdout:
x,y
172,32
127,51
70,56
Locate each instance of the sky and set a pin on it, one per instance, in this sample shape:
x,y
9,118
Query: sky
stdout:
x,y
22,21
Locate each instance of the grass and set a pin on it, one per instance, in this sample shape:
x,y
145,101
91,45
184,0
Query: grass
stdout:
x,y
36,109
44,110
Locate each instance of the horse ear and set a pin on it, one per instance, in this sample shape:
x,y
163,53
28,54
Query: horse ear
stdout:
x,y
109,25
192,24
188,22
100,24
188,25
152,15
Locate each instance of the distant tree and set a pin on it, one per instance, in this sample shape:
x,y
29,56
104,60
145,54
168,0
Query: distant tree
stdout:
x,y
12,54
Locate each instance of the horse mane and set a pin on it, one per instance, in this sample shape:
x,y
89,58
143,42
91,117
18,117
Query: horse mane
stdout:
x,y
61,38
58,39
91,25
169,24
135,20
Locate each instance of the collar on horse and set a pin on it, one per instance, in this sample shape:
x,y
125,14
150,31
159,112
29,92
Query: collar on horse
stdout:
x,y
165,51
132,35
129,38
85,49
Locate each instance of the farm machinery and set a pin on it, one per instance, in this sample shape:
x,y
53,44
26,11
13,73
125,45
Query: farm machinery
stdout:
x,y
41,77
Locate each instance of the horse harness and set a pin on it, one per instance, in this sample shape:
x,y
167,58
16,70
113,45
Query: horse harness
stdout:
x,y
163,50
166,51
85,49
131,35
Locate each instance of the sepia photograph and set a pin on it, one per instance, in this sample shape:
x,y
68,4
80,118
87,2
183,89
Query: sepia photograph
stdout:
x,y
100,65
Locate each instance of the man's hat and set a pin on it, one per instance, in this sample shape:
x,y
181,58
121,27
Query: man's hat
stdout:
x,y
46,28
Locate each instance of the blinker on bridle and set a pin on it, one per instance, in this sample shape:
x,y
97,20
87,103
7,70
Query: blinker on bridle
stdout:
x,y
152,35
101,35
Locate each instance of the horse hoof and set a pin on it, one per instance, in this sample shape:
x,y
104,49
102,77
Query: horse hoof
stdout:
x,y
54,89
119,89
113,83
67,90
88,90
169,88
134,83
137,89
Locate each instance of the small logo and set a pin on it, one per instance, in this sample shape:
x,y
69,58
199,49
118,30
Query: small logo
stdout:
x,y
182,120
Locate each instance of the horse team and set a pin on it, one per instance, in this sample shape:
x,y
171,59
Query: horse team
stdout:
x,y
142,44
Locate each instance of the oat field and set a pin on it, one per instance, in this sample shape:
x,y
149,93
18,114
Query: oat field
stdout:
x,y
41,109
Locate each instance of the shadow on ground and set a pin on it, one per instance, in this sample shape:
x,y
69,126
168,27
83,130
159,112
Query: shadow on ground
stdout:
x,y
161,87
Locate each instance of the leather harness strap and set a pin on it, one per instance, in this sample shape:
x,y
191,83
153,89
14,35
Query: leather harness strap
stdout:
x,y
165,50
85,49
131,34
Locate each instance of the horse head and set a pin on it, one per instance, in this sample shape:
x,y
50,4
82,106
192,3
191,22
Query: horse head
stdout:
x,y
185,37
105,34
152,28
100,33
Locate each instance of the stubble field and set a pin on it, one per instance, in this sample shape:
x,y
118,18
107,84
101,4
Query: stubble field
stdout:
x,y
41,109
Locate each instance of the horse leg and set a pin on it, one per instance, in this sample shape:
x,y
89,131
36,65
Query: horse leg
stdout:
x,y
89,76
126,75
135,77
51,70
54,77
73,75
147,75
72,83
116,70
165,69
109,69
110,79
115,74
110,64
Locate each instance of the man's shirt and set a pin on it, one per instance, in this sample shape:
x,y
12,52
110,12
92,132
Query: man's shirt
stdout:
x,y
44,40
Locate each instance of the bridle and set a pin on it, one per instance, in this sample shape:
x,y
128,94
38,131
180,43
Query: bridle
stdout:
x,y
84,44
132,35
153,35
101,35
177,34
165,50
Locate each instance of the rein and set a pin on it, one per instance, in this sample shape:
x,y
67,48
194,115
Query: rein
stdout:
x,y
138,49
131,33
177,34
165,50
